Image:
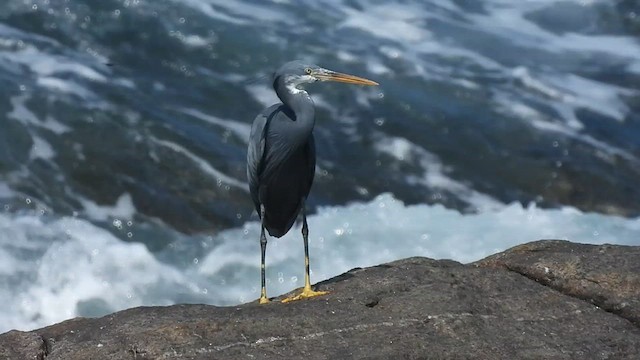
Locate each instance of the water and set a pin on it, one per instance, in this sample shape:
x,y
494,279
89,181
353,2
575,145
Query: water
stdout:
x,y
123,129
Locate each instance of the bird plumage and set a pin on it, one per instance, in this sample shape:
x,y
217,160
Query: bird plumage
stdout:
x,y
281,157
280,175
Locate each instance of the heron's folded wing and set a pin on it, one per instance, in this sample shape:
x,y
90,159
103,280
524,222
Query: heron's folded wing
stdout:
x,y
256,150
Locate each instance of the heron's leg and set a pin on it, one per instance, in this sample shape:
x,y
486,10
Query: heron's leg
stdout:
x,y
307,292
263,247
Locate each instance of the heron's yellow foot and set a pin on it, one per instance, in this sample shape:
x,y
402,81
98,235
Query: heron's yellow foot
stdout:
x,y
264,300
306,293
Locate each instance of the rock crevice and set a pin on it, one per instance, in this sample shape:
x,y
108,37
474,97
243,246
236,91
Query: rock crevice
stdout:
x,y
606,276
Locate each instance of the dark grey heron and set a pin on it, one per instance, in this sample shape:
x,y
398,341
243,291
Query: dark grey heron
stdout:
x,y
281,158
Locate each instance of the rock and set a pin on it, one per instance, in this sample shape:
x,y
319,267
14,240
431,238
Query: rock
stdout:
x,y
415,308
605,275
22,345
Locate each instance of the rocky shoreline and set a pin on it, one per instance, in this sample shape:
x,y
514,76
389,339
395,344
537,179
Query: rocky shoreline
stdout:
x,y
542,300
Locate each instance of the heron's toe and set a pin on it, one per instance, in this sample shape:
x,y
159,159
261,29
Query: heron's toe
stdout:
x,y
305,294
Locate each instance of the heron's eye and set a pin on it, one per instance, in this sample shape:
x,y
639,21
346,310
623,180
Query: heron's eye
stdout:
x,y
308,71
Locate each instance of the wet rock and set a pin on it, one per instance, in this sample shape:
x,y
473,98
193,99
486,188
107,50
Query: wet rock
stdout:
x,y
499,308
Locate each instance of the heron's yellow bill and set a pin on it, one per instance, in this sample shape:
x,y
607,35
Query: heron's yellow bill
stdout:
x,y
344,78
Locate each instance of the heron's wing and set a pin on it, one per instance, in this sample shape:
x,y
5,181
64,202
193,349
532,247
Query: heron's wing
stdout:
x,y
256,150
311,161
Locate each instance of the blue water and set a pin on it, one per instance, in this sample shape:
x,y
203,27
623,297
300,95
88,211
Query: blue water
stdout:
x,y
123,129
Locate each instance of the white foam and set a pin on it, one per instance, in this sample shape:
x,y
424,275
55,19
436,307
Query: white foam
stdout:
x,y
237,12
573,92
54,125
621,46
253,11
46,64
599,97
41,149
5,191
21,113
66,86
522,73
263,94
397,22
122,209
203,165
74,262
570,128
241,130
195,41
434,176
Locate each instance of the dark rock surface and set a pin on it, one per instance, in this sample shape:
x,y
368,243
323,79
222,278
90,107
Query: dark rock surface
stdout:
x,y
605,275
535,301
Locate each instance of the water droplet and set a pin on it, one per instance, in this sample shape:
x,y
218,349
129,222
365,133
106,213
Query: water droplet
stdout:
x,y
129,234
28,201
596,233
294,279
182,20
204,291
34,7
556,144
195,261
23,88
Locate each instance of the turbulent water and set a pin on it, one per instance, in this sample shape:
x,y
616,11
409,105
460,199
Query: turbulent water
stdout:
x,y
124,124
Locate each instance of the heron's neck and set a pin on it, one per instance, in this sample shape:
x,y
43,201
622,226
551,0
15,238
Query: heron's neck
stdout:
x,y
299,102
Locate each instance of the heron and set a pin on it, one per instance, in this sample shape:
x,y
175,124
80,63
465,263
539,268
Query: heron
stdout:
x,y
281,159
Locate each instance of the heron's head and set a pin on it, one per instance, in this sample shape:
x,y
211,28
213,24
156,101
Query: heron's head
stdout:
x,y
296,73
